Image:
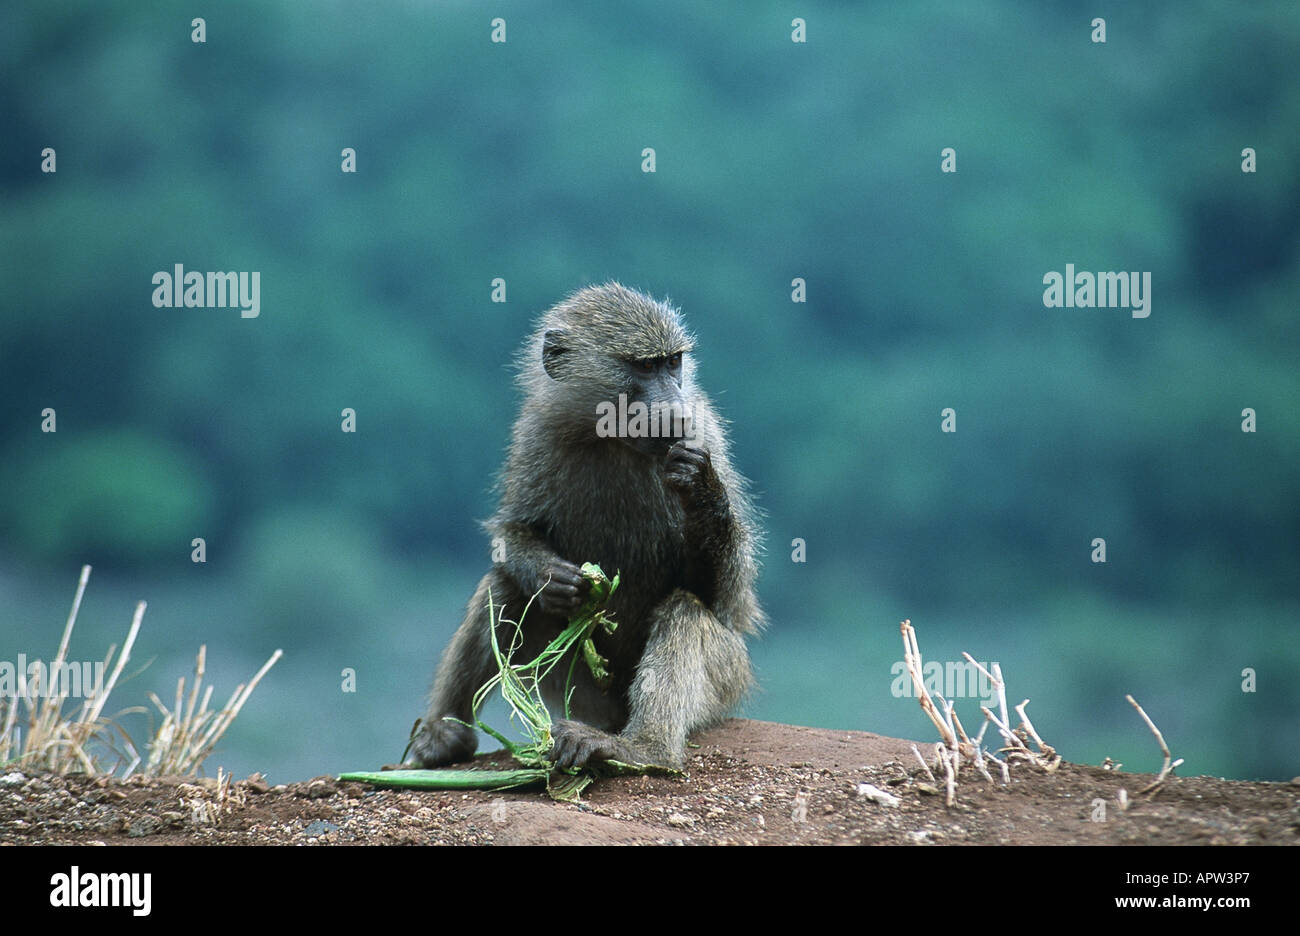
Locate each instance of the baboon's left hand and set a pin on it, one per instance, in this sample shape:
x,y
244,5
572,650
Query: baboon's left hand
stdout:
x,y
576,745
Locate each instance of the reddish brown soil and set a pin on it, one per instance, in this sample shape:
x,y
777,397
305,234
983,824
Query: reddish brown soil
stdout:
x,y
748,782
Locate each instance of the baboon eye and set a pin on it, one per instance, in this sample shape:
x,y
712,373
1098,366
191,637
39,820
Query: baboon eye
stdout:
x,y
675,361
646,365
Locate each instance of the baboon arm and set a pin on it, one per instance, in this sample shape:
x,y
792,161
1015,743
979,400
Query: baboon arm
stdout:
x,y
720,567
537,570
528,557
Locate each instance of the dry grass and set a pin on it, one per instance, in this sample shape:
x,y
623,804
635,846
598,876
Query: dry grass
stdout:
x,y
37,733
956,745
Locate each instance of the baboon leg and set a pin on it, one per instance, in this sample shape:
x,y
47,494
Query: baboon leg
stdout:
x,y
693,671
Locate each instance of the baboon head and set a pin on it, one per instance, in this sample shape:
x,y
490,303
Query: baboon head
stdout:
x,y
614,363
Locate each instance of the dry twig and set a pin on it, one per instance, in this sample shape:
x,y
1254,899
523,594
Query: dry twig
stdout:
x,y
56,741
956,742
924,765
1169,763
912,660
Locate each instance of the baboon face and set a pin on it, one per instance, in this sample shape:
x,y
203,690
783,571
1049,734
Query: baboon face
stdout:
x,y
642,402
657,384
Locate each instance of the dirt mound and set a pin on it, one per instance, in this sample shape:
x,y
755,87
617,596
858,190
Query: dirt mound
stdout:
x,y
748,782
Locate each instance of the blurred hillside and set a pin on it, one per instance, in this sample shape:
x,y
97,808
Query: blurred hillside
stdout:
x,y
775,160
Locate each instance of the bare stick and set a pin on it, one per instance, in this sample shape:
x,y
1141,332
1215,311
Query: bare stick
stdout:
x,y
203,706
1002,704
1047,757
976,663
1006,774
975,753
993,680
227,715
199,666
1020,710
961,732
186,725
945,711
47,713
924,765
1169,763
949,774
1011,739
912,660
72,615
101,697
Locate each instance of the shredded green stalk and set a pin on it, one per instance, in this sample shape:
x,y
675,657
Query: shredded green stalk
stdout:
x,y
520,685
450,779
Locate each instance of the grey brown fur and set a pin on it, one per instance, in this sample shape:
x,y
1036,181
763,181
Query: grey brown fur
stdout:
x,y
671,516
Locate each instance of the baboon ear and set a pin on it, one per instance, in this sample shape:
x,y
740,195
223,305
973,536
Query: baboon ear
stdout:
x,y
554,348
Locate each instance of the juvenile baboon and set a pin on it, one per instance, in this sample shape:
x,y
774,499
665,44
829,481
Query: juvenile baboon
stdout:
x,y
665,509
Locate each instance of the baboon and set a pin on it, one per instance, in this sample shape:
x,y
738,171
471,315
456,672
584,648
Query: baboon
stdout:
x,y
664,509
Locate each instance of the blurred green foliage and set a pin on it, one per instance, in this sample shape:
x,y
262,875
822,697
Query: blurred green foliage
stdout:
x,y
775,160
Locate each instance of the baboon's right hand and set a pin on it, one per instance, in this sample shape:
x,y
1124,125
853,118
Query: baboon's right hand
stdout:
x,y
563,589
440,741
